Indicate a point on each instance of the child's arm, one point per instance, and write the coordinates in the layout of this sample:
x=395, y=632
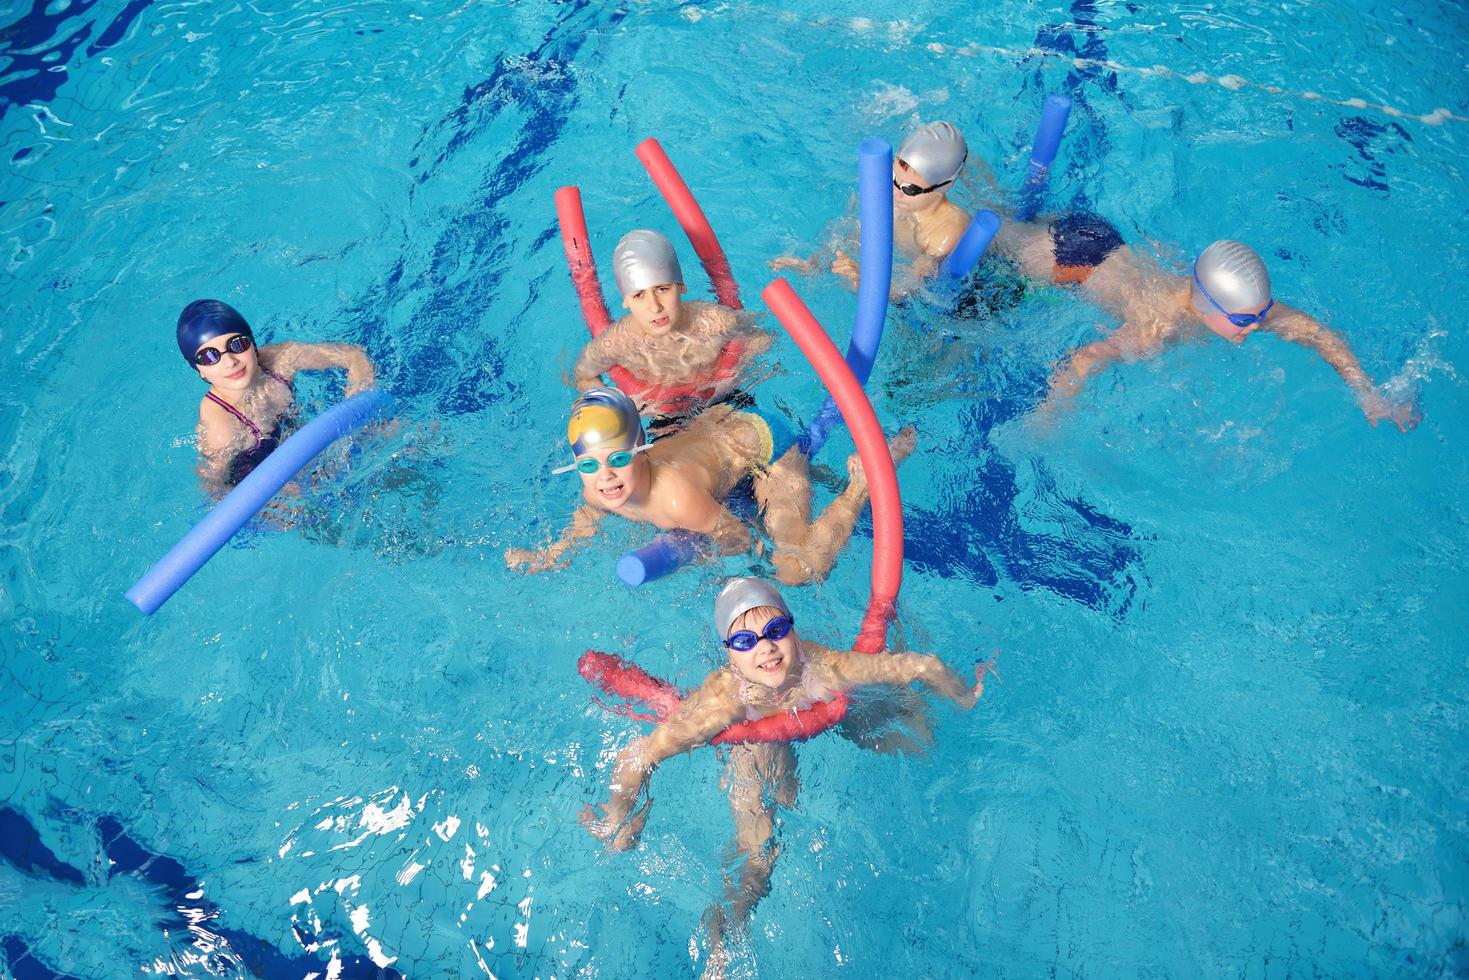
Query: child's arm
x=597, y=358
x=1082, y=364
x=583, y=526
x=854, y=669
x=1134, y=340
x=707, y=712
x=214, y=441
x=289, y=357
x=697, y=511
x=1291, y=324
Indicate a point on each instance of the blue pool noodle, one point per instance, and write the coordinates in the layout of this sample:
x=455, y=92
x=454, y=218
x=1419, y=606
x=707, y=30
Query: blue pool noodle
x=875, y=206
x=977, y=237
x=1043, y=154
x=665, y=554
x=254, y=492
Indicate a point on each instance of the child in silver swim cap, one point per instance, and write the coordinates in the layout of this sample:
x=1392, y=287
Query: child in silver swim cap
x=926, y=224
x=695, y=351
x=1227, y=292
x=769, y=669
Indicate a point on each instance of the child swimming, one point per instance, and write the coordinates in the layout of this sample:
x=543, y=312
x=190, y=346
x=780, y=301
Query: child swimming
x=926, y=224
x=246, y=412
x=770, y=669
x=694, y=351
x=681, y=481
x=1228, y=293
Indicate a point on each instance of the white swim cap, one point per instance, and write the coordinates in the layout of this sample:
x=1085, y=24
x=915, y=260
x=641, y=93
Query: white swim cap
x=1233, y=275
x=643, y=259
x=739, y=597
x=936, y=151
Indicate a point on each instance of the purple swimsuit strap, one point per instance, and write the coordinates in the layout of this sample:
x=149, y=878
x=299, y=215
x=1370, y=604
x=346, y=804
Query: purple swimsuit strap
x=235, y=412
x=241, y=415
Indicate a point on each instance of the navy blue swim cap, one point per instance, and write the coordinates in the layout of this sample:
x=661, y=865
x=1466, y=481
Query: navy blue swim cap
x=205, y=319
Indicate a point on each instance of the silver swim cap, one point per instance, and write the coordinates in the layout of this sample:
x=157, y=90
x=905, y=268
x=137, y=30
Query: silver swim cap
x=739, y=597
x=936, y=151
x=644, y=258
x=1234, y=275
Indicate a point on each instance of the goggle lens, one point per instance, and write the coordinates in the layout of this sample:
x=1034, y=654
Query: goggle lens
x=208, y=356
x=590, y=464
x=777, y=629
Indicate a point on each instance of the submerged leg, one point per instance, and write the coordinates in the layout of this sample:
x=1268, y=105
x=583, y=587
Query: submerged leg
x=754, y=774
x=806, y=552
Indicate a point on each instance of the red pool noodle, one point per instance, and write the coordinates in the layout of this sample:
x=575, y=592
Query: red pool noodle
x=691, y=219
x=877, y=462
x=578, y=246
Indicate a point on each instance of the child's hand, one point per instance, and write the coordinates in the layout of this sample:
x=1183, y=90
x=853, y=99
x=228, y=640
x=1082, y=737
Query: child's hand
x=846, y=267
x=1404, y=415
x=534, y=561
x=982, y=667
x=617, y=831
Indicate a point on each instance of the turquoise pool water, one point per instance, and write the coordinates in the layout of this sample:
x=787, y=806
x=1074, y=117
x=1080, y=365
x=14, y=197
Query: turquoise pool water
x=1230, y=737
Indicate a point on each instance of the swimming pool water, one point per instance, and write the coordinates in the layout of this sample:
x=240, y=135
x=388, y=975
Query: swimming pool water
x=1230, y=733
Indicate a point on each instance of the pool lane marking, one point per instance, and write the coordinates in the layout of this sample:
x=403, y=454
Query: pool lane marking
x=1232, y=82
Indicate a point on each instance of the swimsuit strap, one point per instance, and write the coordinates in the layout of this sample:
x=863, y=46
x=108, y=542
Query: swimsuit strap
x=236, y=413
x=277, y=377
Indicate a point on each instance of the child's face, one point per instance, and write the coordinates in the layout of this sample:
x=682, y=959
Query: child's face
x=656, y=309
x=232, y=372
x=904, y=174
x=611, y=487
x=769, y=662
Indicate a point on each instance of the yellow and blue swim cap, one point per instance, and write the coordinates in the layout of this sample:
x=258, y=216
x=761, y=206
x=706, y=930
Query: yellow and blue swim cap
x=603, y=418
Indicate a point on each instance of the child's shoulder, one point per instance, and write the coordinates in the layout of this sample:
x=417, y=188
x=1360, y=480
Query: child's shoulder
x=719, y=687
x=711, y=314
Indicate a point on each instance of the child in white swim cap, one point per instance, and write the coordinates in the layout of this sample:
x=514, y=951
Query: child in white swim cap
x=691, y=353
x=769, y=669
x=1227, y=293
x=926, y=224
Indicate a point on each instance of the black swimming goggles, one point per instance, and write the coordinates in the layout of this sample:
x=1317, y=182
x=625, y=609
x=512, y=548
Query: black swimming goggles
x=209, y=356
x=913, y=190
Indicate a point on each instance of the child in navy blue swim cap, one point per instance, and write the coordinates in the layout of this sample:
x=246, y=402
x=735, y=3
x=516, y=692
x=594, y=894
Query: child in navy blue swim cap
x=246, y=412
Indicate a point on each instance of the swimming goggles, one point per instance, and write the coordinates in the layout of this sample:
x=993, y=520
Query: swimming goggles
x=777, y=629
x=1240, y=320
x=913, y=190
x=591, y=464
x=208, y=356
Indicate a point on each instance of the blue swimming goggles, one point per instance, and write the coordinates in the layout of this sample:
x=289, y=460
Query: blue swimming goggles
x=1240, y=320
x=591, y=464
x=777, y=629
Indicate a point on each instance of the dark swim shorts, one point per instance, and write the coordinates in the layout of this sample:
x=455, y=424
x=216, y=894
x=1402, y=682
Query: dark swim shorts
x=1081, y=242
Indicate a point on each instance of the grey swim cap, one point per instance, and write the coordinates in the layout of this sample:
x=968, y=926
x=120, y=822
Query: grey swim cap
x=644, y=258
x=936, y=151
x=739, y=597
x=1234, y=275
